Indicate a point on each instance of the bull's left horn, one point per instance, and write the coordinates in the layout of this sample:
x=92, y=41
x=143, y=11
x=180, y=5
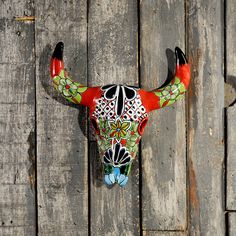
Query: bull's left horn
x=73, y=91
x=173, y=91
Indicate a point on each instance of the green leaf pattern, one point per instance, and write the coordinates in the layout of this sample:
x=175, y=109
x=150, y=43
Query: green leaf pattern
x=69, y=89
x=171, y=93
x=105, y=138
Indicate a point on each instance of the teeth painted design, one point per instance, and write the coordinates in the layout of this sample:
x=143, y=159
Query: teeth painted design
x=117, y=157
x=116, y=176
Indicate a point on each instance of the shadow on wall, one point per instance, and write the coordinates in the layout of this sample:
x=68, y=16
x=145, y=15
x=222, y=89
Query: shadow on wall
x=96, y=166
x=170, y=55
x=44, y=77
x=46, y=82
x=230, y=91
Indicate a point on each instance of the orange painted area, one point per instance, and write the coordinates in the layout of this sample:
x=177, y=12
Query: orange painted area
x=149, y=100
x=193, y=188
x=183, y=73
x=55, y=67
x=89, y=98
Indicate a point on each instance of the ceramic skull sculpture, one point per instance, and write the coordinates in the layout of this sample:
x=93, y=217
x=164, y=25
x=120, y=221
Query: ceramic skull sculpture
x=119, y=113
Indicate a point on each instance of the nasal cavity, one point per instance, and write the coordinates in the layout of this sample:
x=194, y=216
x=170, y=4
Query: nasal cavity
x=142, y=126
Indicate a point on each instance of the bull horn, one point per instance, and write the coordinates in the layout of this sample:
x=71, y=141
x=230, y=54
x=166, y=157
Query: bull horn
x=71, y=90
x=169, y=94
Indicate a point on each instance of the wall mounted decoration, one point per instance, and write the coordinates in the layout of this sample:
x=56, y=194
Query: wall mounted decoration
x=119, y=113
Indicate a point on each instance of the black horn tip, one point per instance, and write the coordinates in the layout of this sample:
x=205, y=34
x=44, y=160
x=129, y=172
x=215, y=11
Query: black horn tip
x=180, y=57
x=58, y=51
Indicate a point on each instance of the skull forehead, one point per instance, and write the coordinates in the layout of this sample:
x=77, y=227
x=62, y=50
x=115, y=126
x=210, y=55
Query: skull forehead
x=120, y=102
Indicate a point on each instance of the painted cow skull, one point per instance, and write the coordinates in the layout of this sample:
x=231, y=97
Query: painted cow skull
x=119, y=113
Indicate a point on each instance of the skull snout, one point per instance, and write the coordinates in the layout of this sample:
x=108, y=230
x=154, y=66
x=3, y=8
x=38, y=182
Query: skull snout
x=117, y=163
x=116, y=177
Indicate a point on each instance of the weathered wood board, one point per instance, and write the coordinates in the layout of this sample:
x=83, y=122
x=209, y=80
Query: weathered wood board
x=230, y=42
x=113, y=50
x=232, y=224
x=164, y=142
x=205, y=118
x=62, y=175
x=164, y=233
x=230, y=39
x=231, y=111
x=40, y=131
x=231, y=158
x=17, y=130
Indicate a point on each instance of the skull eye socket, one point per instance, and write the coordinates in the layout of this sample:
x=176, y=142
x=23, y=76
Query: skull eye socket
x=142, y=125
x=95, y=125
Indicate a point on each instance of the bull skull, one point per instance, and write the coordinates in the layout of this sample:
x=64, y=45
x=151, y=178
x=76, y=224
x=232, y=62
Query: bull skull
x=119, y=113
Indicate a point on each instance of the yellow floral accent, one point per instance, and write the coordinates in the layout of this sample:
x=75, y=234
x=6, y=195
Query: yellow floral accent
x=119, y=129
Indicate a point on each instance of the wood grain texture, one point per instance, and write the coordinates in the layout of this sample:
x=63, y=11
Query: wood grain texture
x=230, y=38
x=69, y=199
x=231, y=111
x=18, y=231
x=17, y=131
x=164, y=233
x=205, y=131
x=231, y=158
x=232, y=225
x=113, y=59
x=61, y=127
x=164, y=141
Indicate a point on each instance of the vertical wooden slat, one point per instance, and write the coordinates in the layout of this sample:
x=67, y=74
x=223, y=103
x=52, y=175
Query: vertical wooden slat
x=113, y=41
x=164, y=141
x=205, y=131
x=164, y=233
x=230, y=38
x=231, y=111
x=231, y=159
x=61, y=143
x=232, y=224
x=17, y=131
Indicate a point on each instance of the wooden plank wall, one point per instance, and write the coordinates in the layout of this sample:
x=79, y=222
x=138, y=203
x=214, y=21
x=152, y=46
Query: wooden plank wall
x=231, y=116
x=231, y=112
x=113, y=58
x=205, y=118
x=61, y=144
x=163, y=159
x=17, y=121
x=51, y=181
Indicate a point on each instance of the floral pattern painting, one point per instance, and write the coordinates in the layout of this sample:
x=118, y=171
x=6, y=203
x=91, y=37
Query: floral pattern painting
x=118, y=113
x=171, y=93
x=71, y=90
x=119, y=129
